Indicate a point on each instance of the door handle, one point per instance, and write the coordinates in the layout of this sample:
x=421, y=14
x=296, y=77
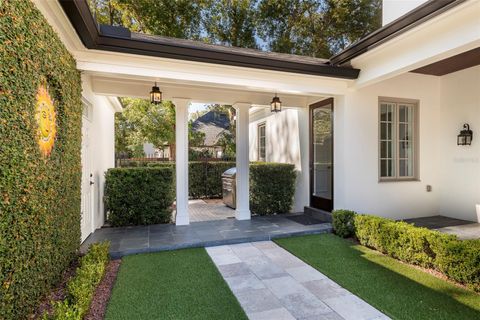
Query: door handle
x=91, y=182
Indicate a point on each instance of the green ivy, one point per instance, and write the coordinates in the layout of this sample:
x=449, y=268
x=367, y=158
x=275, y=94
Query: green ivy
x=39, y=196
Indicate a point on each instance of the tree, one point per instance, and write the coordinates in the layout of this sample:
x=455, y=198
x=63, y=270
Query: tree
x=289, y=26
x=143, y=122
x=316, y=28
x=346, y=21
x=232, y=22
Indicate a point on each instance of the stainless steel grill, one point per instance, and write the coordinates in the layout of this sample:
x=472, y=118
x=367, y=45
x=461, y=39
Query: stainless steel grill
x=229, y=187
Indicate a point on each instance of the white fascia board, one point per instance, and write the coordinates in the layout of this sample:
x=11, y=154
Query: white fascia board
x=197, y=73
x=56, y=17
x=178, y=71
x=453, y=32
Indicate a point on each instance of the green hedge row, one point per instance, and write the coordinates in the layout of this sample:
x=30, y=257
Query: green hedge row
x=458, y=260
x=81, y=288
x=139, y=196
x=39, y=194
x=204, y=178
x=272, y=187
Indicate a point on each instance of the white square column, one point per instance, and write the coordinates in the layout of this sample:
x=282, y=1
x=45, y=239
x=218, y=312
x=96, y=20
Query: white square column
x=181, y=159
x=242, y=211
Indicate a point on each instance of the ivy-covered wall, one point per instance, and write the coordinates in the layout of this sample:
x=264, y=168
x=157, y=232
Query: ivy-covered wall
x=39, y=185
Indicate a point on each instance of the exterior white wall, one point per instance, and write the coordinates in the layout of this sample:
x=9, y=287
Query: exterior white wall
x=356, y=184
x=393, y=9
x=459, y=175
x=286, y=142
x=102, y=135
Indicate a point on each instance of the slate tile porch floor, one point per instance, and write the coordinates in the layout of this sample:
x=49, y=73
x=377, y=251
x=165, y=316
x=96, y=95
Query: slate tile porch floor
x=142, y=239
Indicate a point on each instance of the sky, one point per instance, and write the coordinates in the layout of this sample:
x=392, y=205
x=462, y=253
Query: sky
x=194, y=107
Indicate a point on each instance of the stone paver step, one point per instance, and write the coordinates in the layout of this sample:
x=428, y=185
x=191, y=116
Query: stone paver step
x=271, y=283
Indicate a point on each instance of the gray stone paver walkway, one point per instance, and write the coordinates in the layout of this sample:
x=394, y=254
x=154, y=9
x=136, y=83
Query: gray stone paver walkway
x=271, y=283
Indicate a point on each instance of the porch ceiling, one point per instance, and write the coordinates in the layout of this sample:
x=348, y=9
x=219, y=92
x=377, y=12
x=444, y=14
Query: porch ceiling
x=139, y=87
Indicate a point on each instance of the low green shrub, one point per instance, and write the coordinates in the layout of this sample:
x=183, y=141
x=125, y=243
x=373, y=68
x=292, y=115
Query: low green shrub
x=272, y=186
x=204, y=178
x=458, y=260
x=139, y=196
x=81, y=288
x=342, y=222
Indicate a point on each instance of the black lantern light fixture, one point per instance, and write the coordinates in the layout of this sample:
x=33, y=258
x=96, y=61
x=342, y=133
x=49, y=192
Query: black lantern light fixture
x=155, y=95
x=276, y=104
x=465, y=136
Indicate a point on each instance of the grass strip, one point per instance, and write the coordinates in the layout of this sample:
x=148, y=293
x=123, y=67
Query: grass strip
x=397, y=289
x=181, y=284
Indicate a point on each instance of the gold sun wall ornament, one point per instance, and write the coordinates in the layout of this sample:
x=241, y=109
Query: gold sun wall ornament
x=46, y=120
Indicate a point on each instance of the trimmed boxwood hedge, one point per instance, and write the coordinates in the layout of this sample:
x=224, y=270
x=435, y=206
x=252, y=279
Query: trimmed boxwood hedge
x=81, y=288
x=342, y=223
x=204, y=178
x=139, y=196
x=39, y=196
x=272, y=187
x=459, y=260
x=267, y=195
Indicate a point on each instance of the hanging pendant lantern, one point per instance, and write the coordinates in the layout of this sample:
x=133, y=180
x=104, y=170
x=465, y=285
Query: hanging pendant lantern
x=465, y=137
x=276, y=104
x=155, y=95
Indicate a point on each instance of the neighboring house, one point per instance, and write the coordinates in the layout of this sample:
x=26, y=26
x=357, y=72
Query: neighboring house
x=151, y=152
x=213, y=125
x=373, y=128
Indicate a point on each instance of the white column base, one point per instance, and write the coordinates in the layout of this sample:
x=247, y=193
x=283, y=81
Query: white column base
x=243, y=214
x=182, y=220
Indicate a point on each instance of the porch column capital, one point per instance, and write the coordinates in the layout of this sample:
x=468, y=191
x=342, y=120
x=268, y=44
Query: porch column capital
x=181, y=102
x=238, y=105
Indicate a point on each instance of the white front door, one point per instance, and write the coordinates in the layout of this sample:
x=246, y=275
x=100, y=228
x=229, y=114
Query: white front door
x=87, y=182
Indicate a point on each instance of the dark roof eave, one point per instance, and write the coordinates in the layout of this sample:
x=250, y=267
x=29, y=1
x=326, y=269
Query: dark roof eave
x=86, y=27
x=424, y=12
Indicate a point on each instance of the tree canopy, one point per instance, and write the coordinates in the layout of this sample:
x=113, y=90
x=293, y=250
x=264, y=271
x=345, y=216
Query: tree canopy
x=317, y=28
x=142, y=122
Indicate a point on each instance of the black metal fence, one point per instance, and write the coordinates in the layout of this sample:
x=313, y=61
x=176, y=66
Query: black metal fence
x=127, y=161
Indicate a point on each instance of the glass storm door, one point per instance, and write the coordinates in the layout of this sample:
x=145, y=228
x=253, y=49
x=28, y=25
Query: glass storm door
x=321, y=155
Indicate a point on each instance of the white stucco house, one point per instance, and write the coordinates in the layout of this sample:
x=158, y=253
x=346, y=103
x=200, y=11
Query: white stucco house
x=373, y=128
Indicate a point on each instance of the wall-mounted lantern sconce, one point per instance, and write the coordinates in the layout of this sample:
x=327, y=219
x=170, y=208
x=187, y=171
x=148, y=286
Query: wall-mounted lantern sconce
x=155, y=95
x=276, y=104
x=465, y=136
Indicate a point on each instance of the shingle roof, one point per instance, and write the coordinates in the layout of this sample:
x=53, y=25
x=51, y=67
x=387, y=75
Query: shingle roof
x=213, y=124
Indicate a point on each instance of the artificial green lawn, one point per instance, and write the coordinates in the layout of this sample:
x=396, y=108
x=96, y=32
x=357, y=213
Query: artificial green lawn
x=398, y=290
x=181, y=284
